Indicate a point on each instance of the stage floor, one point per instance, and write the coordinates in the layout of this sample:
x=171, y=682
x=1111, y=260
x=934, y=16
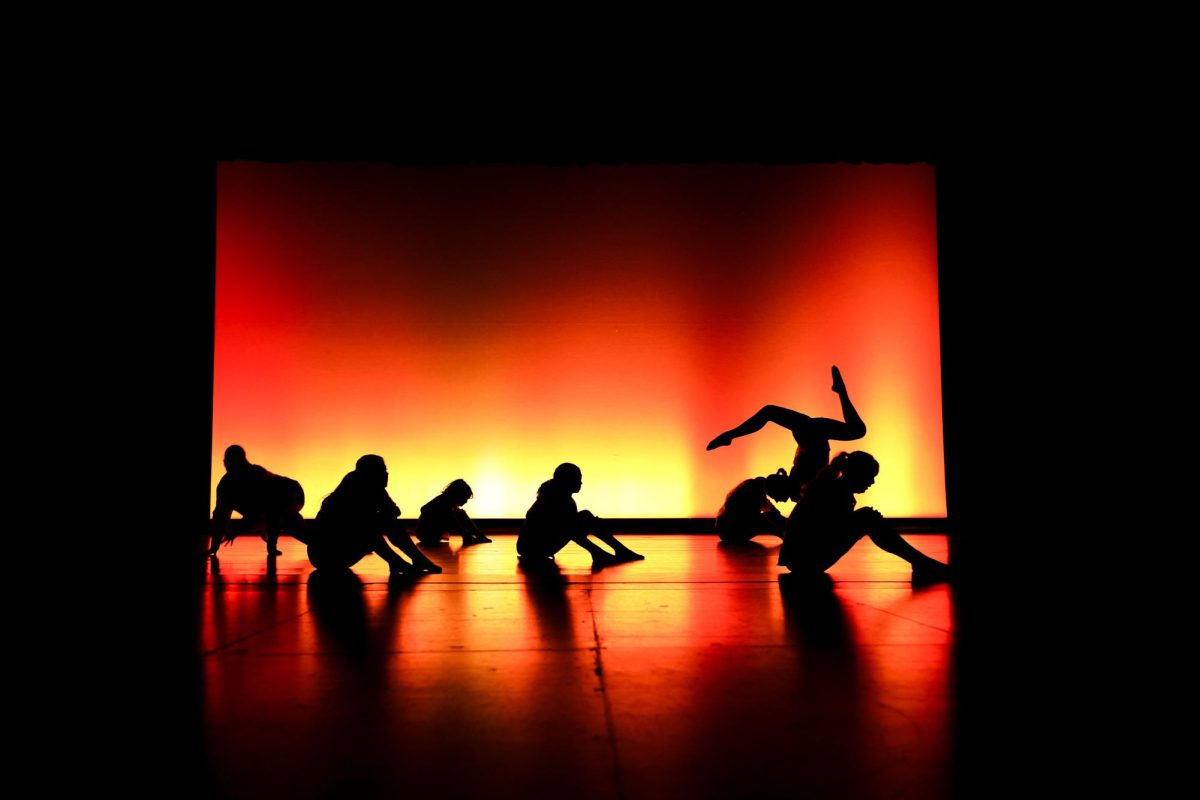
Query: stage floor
x=696, y=673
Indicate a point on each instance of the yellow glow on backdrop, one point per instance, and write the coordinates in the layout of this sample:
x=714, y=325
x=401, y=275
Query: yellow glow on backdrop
x=490, y=322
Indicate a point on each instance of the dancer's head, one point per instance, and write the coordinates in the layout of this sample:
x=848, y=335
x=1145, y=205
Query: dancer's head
x=569, y=476
x=372, y=469
x=235, y=457
x=779, y=486
x=458, y=491
x=857, y=470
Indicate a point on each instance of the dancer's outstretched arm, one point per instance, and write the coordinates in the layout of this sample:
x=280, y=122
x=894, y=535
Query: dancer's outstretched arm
x=221, y=527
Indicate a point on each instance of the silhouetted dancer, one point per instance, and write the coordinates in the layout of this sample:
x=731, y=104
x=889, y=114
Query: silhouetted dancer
x=444, y=515
x=553, y=520
x=268, y=502
x=825, y=524
x=812, y=434
x=748, y=510
x=359, y=517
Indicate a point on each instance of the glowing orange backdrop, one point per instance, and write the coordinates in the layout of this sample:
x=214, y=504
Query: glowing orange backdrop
x=490, y=322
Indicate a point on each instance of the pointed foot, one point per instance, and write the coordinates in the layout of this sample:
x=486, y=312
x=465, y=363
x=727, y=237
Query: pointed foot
x=839, y=385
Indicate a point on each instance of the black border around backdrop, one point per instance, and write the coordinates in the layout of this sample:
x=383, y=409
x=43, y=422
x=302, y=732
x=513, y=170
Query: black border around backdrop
x=154, y=390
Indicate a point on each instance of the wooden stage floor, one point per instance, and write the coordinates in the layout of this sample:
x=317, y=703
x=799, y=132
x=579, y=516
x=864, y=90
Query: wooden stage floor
x=697, y=673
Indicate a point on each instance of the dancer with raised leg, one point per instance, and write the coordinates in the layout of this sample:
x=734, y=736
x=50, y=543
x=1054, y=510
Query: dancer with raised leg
x=812, y=434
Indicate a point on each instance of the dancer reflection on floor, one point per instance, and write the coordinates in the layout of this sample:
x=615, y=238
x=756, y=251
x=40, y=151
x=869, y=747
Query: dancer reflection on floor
x=748, y=510
x=825, y=524
x=358, y=518
x=554, y=519
x=444, y=515
x=269, y=504
x=812, y=434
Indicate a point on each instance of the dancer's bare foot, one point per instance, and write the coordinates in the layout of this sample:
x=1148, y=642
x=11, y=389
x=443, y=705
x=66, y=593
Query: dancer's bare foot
x=724, y=440
x=839, y=385
x=602, y=559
